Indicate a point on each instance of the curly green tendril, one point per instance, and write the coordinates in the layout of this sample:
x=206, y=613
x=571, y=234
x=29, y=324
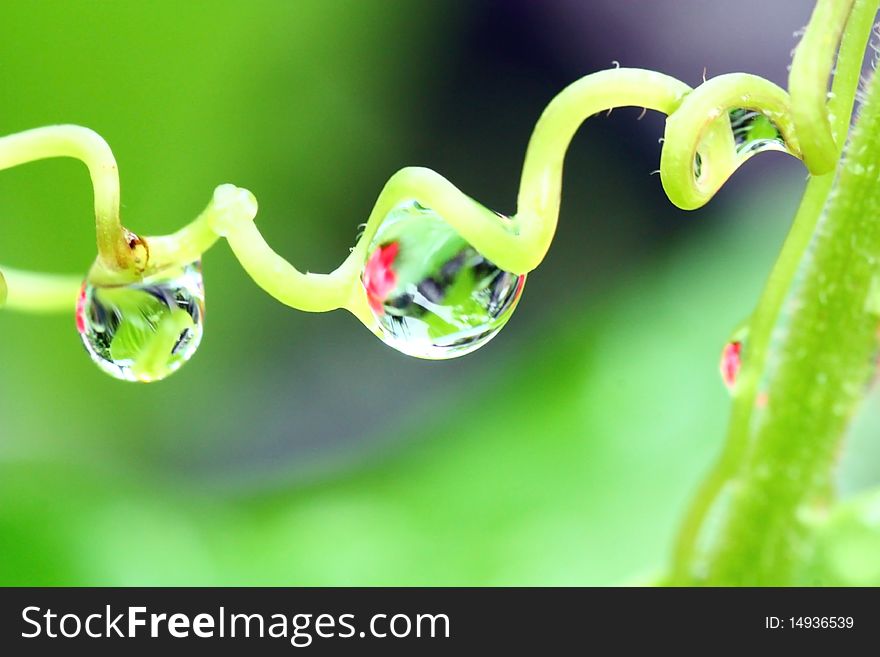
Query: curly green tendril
x=698, y=130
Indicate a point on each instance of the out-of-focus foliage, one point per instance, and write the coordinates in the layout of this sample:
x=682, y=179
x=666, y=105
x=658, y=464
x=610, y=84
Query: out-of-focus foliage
x=847, y=545
x=567, y=466
x=298, y=449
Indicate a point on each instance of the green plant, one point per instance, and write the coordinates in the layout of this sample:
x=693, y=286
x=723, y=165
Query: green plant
x=480, y=260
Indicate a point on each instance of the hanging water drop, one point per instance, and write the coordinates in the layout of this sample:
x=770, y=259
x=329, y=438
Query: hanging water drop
x=433, y=294
x=754, y=132
x=147, y=330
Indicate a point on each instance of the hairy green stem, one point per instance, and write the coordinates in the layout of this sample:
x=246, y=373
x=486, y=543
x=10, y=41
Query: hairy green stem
x=825, y=361
x=744, y=432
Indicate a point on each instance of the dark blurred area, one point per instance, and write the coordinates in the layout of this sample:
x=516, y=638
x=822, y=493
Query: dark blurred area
x=299, y=449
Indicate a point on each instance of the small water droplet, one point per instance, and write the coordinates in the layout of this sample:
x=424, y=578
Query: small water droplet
x=433, y=295
x=753, y=132
x=731, y=362
x=147, y=330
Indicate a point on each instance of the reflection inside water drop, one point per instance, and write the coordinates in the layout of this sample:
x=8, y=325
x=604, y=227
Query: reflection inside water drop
x=433, y=295
x=147, y=330
x=698, y=165
x=754, y=132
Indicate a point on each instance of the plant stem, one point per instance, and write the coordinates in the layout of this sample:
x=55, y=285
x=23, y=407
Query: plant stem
x=229, y=206
x=541, y=182
x=88, y=147
x=814, y=60
x=40, y=293
x=767, y=313
x=825, y=362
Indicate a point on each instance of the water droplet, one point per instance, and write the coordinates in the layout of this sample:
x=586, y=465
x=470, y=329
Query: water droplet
x=753, y=132
x=731, y=362
x=433, y=295
x=147, y=330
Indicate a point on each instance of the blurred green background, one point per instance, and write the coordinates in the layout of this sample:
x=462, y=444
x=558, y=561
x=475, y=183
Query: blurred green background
x=298, y=449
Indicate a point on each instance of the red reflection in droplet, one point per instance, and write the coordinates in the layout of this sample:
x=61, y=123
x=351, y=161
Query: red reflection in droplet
x=81, y=310
x=379, y=277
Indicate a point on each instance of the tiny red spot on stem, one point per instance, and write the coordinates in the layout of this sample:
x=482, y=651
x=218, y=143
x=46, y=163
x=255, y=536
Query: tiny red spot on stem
x=731, y=362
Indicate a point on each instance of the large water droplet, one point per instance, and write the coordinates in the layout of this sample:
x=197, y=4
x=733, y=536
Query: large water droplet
x=433, y=295
x=754, y=132
x=147, y=330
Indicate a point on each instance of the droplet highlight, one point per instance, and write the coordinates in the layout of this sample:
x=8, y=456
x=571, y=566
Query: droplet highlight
x=147, y=330
x=433, y=295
